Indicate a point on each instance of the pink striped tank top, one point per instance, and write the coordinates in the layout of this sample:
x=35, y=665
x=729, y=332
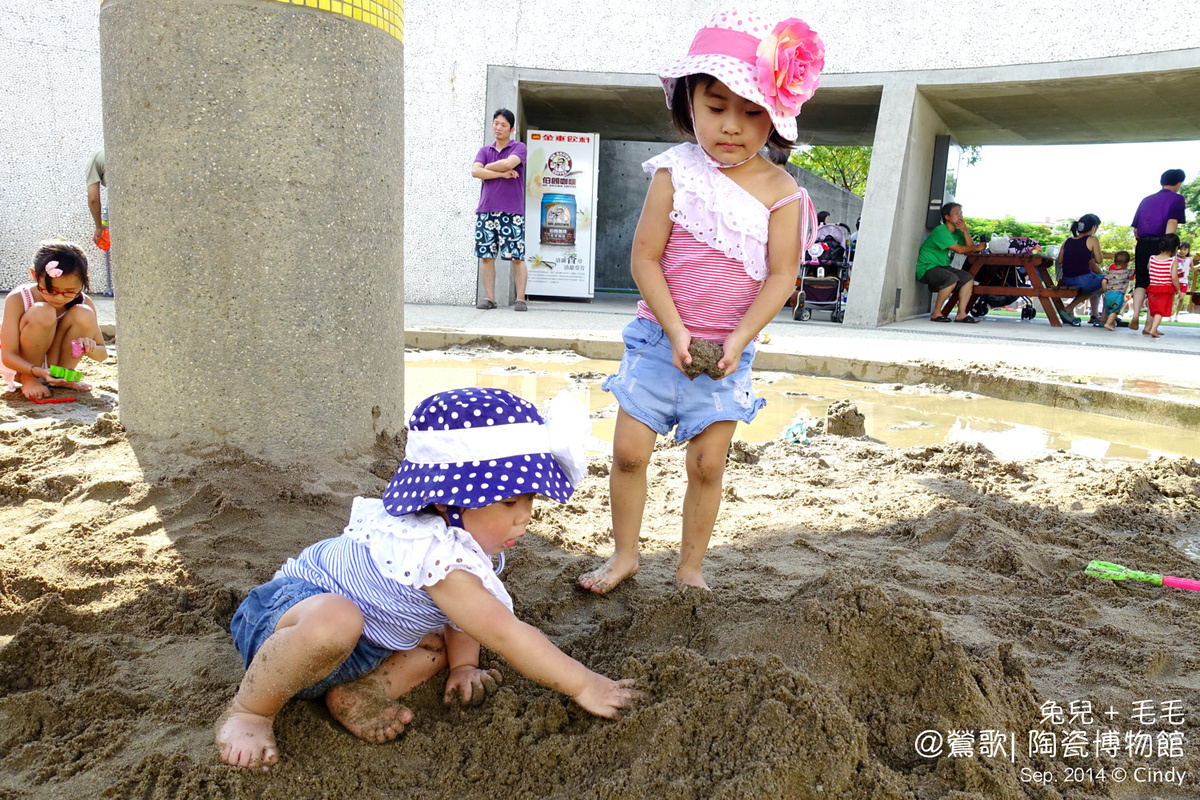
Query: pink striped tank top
x=716, y=256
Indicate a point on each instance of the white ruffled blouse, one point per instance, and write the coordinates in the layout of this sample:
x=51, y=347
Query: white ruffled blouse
x=714, y=209
x=382, y=563
x=419, y=549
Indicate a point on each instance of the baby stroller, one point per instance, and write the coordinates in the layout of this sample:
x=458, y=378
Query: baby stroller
x=824, y=275
x=1005, y=276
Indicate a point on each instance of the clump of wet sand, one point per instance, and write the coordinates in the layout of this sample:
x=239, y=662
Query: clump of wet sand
x=705, y=356
x=862, y=595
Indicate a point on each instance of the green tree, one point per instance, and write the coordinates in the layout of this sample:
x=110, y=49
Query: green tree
x=1114, y=237
x=846, y=166
x=984, y=229
x=1191, y=195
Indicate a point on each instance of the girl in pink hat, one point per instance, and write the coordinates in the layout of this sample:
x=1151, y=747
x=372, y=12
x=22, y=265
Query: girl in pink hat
x=715, y=256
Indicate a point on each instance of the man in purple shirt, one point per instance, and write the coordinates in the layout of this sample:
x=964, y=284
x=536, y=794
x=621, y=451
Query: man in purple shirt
x=500, y=217
x=1156, y=216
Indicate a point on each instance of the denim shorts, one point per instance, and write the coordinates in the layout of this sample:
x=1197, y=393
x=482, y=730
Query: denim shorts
x=655, y=393
x=1113, y=302
x=1086, y=284
x=259, y=613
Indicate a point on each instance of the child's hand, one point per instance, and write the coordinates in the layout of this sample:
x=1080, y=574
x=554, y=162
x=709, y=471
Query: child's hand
x=469, y=686
x=732, y=356
x=680, y=342
x=607, y=698
x=88, y=346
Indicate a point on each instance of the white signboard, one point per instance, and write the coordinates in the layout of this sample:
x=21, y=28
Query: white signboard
x=560, y=208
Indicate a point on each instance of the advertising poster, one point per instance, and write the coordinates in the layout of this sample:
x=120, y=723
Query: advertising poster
x=560, y=204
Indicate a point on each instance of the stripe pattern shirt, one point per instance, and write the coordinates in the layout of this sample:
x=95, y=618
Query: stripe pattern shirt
x=397, y=612
x=715, y=259
x=1160, y=272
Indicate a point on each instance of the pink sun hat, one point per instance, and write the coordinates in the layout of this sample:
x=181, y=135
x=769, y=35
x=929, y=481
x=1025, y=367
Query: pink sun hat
x=776, y=66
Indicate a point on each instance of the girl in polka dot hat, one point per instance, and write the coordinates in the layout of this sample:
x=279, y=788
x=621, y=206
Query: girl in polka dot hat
x=715, y=255
x=409, y=589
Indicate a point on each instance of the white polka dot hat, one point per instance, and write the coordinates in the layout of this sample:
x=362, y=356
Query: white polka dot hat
x=473, y=447
x=776, y=66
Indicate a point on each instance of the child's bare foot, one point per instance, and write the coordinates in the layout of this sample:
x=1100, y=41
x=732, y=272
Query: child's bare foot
x=686, y=576
x=245, y=739
x=78, y=386
x=609, y=574
x=365, y=710
x=1110, y=327
x=33, y=389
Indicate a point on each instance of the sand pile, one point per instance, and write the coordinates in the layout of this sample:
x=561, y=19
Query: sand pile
x=862, y=595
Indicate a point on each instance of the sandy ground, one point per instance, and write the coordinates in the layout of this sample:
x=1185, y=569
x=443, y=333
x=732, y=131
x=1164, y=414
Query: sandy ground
x=863, y=594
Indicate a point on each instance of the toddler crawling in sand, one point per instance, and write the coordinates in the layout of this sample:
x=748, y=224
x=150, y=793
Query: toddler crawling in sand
x=408, y=589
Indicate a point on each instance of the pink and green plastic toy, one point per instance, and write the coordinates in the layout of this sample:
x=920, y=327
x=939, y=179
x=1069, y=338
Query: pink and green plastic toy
x=1115, y=572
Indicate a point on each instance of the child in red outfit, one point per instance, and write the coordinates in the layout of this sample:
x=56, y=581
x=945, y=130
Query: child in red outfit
x=1164, y=284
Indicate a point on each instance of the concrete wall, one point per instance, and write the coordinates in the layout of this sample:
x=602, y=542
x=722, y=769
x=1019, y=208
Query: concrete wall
x=255, y=160
x=843, y=206
x=449, y=54
x=897, y=194
x=446, y=79
x=50, y=57
x=623, y=185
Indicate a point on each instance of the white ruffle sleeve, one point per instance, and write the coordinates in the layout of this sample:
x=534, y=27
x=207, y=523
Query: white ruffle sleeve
x=714, y=209
x=419, y=550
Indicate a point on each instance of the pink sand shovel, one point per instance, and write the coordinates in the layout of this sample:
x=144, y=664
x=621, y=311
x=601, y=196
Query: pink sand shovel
x=1115, y=572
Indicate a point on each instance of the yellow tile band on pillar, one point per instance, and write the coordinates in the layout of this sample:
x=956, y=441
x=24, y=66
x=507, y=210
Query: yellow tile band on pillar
x=387, y=15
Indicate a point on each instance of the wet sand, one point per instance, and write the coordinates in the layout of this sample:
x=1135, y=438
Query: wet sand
x=862, y=594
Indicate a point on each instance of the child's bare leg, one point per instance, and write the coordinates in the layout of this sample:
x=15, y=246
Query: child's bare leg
x=367, y=707
x=1110, y=322
x=1139, y=297
x=706, y=456
x=78, y=322
x=633, y=444
x=311, y=639
x=37, y=333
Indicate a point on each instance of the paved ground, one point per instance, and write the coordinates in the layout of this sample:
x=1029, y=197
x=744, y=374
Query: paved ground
x=1125, y=360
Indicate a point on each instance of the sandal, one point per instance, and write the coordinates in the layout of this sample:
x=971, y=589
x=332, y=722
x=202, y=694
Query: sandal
x=520, y=306
x=942, y=318
x=1069, y=320
x=968, y=320
x=485, y=304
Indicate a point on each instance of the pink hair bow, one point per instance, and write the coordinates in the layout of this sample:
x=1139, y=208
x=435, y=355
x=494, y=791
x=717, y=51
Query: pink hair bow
x=52, y=269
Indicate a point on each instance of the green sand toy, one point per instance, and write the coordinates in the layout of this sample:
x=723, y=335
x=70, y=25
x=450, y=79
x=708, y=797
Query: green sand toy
x=1115, y=572
x=65, y=374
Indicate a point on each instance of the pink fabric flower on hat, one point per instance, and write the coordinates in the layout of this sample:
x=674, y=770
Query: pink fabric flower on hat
x=790, y=60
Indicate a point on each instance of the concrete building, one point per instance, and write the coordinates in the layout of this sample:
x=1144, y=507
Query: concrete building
x=898, y=74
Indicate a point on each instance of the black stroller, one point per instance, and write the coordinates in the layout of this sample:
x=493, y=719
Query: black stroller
x=824, y=275
x=1004, y=276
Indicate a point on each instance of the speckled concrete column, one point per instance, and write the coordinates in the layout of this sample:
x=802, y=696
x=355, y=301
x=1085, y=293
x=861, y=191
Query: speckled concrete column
x=255, y=172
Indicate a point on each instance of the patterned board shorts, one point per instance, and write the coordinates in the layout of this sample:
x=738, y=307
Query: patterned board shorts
x=500, y=235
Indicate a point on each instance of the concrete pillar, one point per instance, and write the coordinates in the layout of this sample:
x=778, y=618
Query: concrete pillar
x=255, y=167
x=893, y=219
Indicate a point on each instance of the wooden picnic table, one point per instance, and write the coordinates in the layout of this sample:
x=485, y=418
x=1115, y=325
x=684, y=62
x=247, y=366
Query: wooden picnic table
x=985, y=266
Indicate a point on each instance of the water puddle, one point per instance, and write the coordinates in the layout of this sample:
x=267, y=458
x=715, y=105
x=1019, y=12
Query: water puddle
x=901, y=416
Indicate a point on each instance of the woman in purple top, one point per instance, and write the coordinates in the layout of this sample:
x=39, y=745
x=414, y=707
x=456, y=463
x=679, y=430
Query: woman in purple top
x=1079, y=261
x=500, y=216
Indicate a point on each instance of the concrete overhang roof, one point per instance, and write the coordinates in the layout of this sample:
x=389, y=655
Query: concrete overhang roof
x=1149, y=97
